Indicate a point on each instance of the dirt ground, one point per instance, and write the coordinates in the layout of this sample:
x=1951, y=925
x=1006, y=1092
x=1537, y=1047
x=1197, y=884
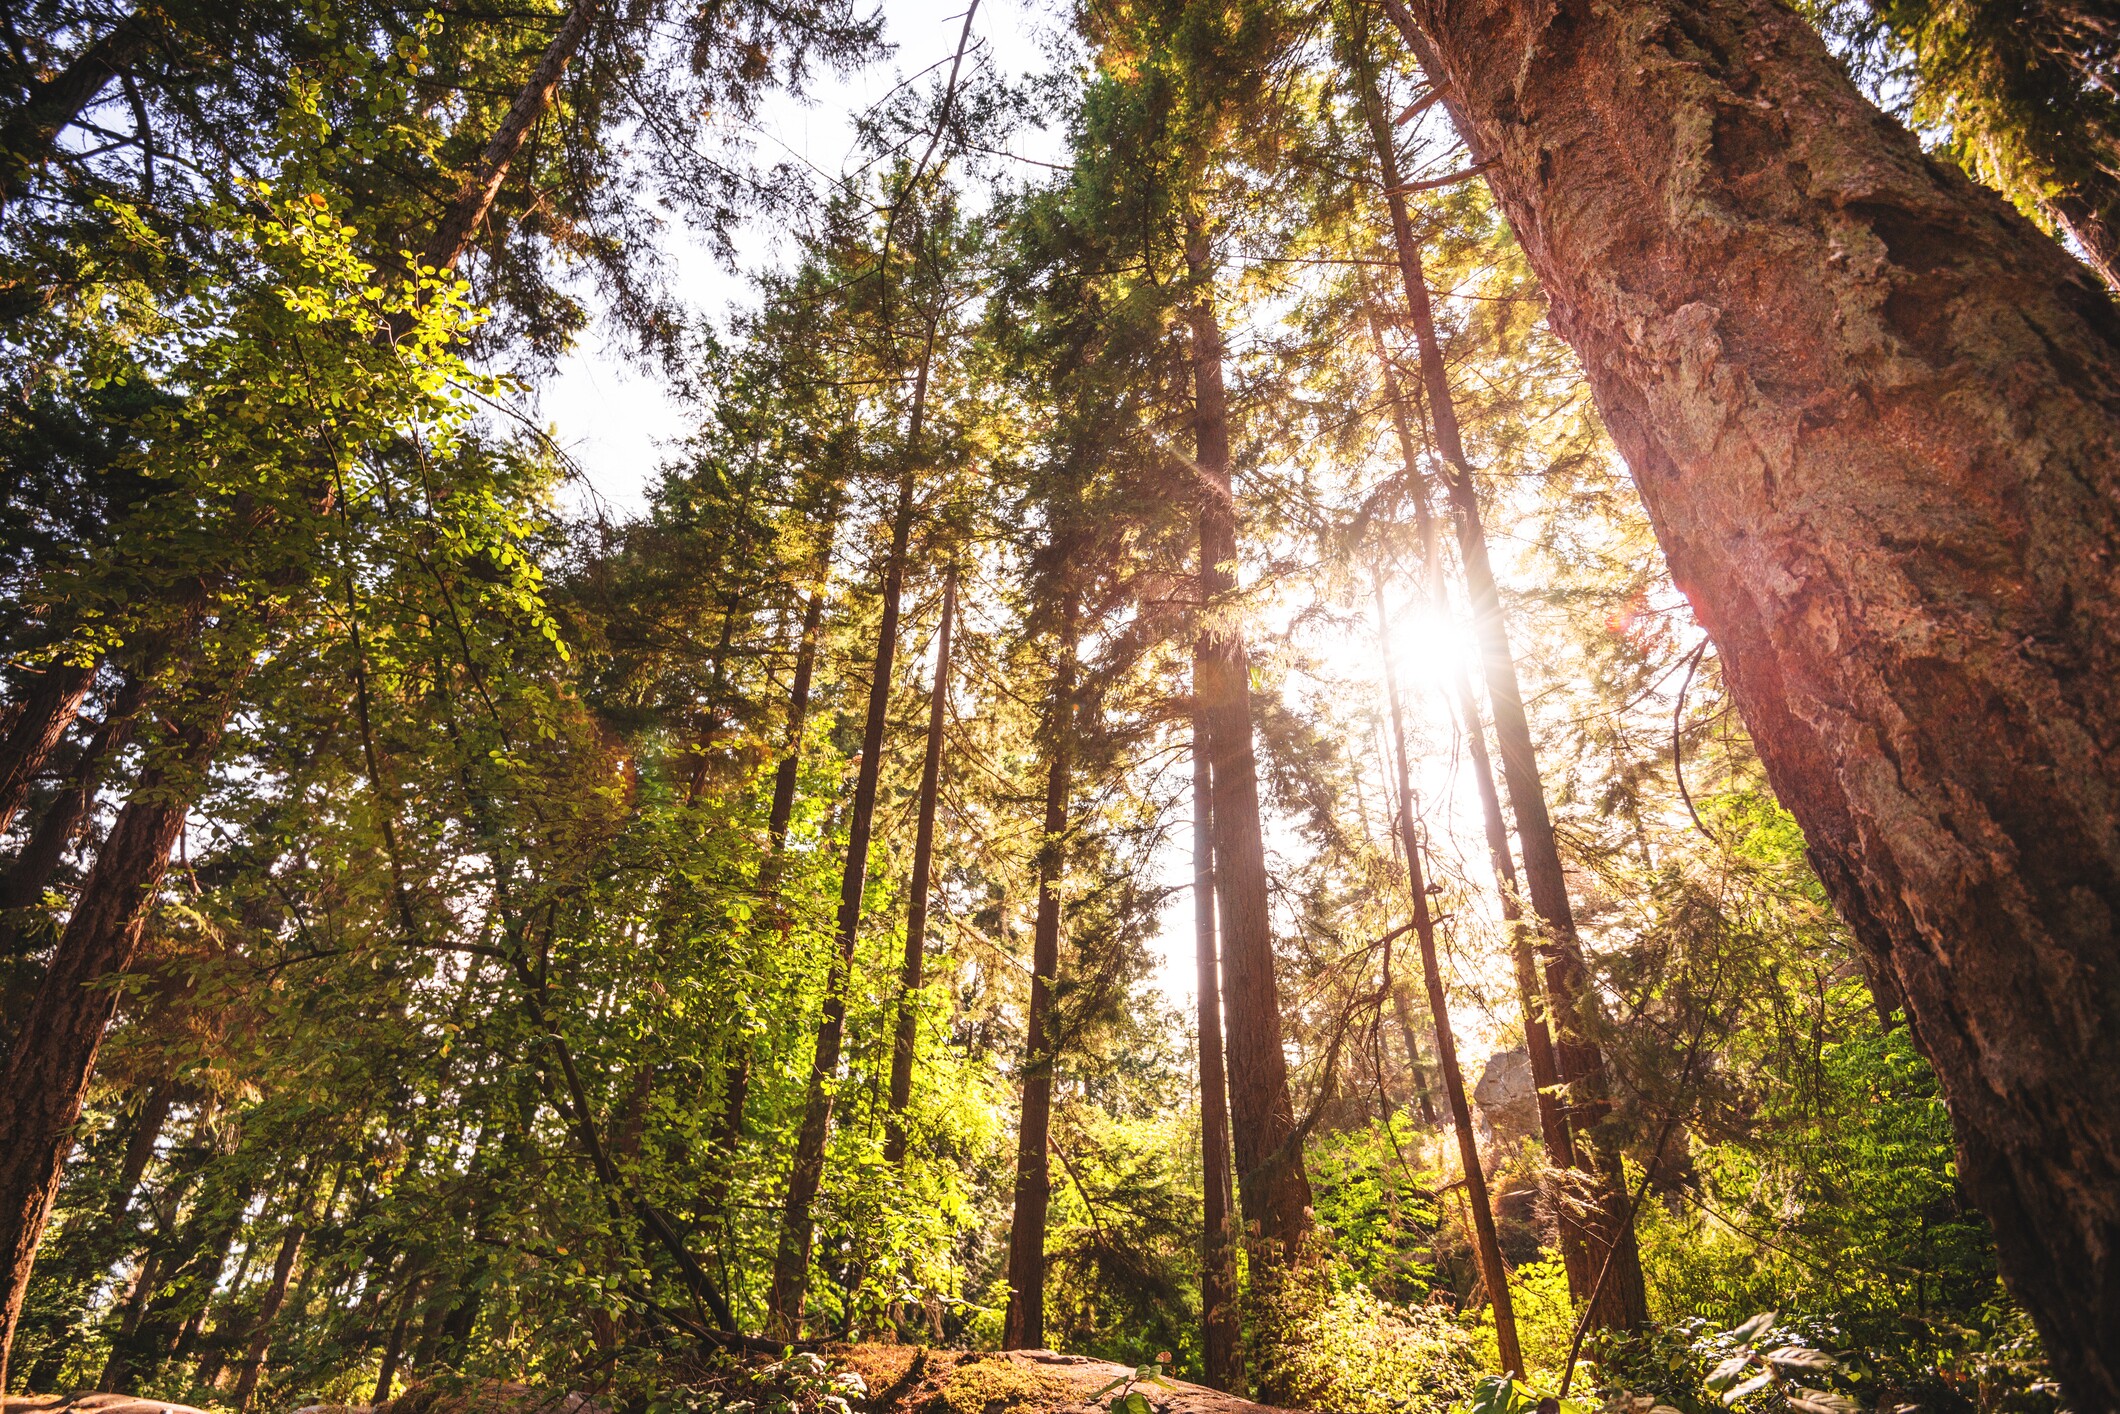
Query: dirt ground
x=904, y=1379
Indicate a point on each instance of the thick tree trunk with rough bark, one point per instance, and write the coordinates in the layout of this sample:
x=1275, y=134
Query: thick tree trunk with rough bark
x=791, y=1262
x=1486, y=1244
x=47, y=1070
x=1620, y=1300
x=47, y=710
x=1221, y=1322
x=1875, y=417
x=1275, y=1190
x=908, y=1033
x=1023, y=1324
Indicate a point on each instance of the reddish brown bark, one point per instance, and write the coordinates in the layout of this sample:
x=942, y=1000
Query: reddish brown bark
x=1023, y=1325
x=1620, y=1301
x=791, y=1263
x=1875, y=417
x=1221, y=1322
x=1486, y=1245
x=47, y=710
x=467, y=211
x=902, y=1044
x=47, y=1070
x=1271, y=1181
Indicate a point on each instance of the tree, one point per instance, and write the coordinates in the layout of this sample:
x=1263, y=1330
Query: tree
x=1870, y=412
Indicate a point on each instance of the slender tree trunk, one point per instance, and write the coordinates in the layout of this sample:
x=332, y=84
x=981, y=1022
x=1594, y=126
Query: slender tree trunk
x=1423, y=1097
x=923, y=864
x=791, y=1263
x=54, y=104
x=1875, y=417
x=1531, y=993
x=1023, y=1325
x=268, y=1312
x=1620, y=1302
x=468, y=210
x=394, y=1347
x=1222, y=1324
x=47, y=710
x=1270, y=1176
x=785, y=775
x=1485, y=1243
x=42, y=1087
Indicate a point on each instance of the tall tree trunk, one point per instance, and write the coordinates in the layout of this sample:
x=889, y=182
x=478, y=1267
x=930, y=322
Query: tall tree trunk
x=1875, y=416
x=1620, y=1301
x=1485, y=1243
x=32, y=869
x=791, y=1263
x=268, y=1312
x=473, y=201
x=394, y=1347
x=1023, y=1324
x=1531, y=993
x=923, y=864
x=1270, y=1176
x=54, y=104
x=1221, y=1322
x=790, y=767
x=47, y=710
x=42, y=1087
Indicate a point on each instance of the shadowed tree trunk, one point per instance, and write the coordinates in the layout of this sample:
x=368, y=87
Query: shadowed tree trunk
x=1875, y=417
x=55, y=103
x=1620, y=1301
x=47, y=1070
x=1023, y=1325
x=1222, y=1324
x=268, y=1311
x=473, y=202
x=923, y=864
x=1270, y=1177
x=47, y=710
x=791, y=1263
x=1486, y=1244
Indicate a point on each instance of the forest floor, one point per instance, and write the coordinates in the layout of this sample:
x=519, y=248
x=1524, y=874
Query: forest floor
x=901, y=1379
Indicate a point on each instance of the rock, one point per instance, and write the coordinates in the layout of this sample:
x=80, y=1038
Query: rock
x=1506, y=1099
x=89, y=1402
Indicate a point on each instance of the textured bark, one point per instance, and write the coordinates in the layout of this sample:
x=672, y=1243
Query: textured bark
x=1274, y=1188
x=47, y=710
x=1221, y=1322
x=908, y=1032
x=52, y=105
x=1620, y=1301
x=1485, y=1244
x=1023, y=1324
x=55, y=829
x=467, y=211
x=1875, y=417
x=791, y=1262
x=42, y=1087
